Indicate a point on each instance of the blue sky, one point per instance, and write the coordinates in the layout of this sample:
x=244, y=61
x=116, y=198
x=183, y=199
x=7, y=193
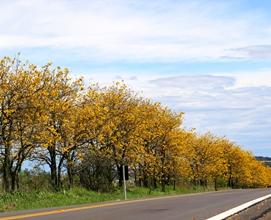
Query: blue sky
x=210, y=59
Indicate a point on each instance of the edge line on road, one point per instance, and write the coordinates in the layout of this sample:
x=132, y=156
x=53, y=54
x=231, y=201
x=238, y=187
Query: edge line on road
x=239, y=208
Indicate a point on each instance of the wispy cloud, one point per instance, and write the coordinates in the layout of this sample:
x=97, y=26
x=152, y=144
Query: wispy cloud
x=255, y=51
x=216, y=104
x=207, y=82
x=137, y=30
x=162, y=48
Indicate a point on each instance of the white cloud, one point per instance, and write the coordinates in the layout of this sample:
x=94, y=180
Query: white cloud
x=216, y=103
x=255, y=51
x=196, y=82
x=252, y=79
x=137, y=30
x=236, y=104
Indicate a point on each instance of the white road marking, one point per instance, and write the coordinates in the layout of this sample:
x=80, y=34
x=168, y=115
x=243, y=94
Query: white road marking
x=237, y=209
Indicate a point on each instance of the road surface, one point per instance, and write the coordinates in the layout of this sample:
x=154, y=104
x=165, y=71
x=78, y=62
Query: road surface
x=185, y=207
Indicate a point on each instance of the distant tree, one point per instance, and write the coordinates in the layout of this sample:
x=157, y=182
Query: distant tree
x=97, y=172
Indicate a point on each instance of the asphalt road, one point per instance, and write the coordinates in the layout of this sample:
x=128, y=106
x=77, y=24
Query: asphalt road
x=186, y=207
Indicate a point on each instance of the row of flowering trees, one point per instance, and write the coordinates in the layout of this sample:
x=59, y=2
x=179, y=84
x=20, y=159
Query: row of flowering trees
x=48, y=117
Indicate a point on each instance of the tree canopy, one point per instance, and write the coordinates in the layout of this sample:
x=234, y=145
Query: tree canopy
x=51, y=118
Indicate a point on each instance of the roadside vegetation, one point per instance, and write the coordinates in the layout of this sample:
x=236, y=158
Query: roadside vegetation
x=21, y=200
x=84, y=137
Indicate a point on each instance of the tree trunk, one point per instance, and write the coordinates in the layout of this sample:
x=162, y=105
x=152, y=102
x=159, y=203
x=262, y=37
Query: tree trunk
x=163, y=186
x=6, y=171
x=59, y=170
x=54, y=181
x=145, y=180
x=230, y=182
x=59, y=183
x=154, y=183
x=215, y=181
x=13, y=181
x=70, y=168
x=163, y=177
x=53, y=169
x=70, y=176
x=135, y=176
x=17, y=181
x=163, y=182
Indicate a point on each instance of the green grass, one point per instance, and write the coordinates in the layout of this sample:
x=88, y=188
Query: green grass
x=75, y=196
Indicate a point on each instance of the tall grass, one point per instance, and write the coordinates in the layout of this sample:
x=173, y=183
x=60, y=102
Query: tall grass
x=76, y=196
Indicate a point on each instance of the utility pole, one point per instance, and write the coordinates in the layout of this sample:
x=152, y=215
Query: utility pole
x=124, y=182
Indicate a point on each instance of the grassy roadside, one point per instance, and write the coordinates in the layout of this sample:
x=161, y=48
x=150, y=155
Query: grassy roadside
x=76, y=196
